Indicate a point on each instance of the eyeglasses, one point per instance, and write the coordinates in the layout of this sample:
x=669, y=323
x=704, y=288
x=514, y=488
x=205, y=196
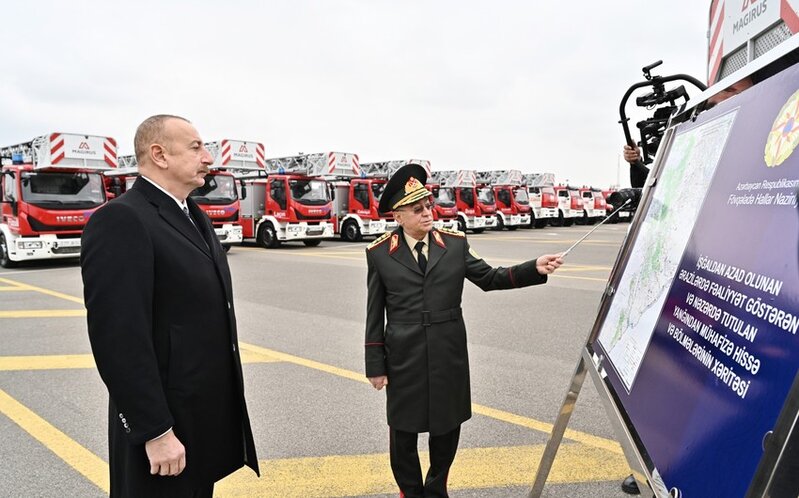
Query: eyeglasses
x=418, y=209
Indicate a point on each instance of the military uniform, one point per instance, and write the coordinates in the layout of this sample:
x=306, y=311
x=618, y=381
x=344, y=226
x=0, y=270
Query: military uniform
x=415, y=332
x=415, y=335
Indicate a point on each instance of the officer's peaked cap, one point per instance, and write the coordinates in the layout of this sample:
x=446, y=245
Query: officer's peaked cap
x=405, y=187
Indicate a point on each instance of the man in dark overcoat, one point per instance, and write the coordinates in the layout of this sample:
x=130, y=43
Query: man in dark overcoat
x=415, y=334
x=162, y=326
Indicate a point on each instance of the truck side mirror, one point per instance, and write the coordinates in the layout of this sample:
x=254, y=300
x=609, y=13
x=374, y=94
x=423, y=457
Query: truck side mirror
x=332, y=191
x=243, y=190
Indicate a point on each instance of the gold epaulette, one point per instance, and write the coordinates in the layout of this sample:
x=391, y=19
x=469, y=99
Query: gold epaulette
x=378, y=241
x=454, y=233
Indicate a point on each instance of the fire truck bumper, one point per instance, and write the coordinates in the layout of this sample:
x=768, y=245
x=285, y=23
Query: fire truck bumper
x=519, y=219
x=391, y=226
x=303, y=230
x=548, y=213
x=229, y=234
x=489, y=221
x=43, y=247
x=374, y=227
x=572, y=213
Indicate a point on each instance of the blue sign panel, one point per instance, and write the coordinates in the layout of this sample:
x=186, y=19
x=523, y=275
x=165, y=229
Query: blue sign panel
x=699, y=341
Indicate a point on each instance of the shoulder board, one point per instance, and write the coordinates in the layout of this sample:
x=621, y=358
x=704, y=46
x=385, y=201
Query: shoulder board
x=378, y=241
x=454, y=233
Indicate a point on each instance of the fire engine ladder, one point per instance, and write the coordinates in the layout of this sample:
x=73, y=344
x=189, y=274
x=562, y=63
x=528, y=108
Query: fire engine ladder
x=40, y=152
x=385, y=169
x=238, y=156
x=539, y=179
x=453, y=178
x=501, y=177
x=323, y=164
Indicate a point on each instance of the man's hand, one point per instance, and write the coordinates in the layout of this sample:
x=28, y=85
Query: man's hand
x=166, y=454
x=548, y=263
x=379, y=382
x=631, y=154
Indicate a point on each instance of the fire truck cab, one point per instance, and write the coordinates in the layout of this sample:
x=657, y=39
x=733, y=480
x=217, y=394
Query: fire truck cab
x=594, y=206
x=293, y=202
x=50, y=187
x=511, y=198
x=543, y=201
x=570, y=206
x=475, y=204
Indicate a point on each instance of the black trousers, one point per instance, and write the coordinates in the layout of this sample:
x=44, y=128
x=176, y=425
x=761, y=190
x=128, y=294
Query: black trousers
x=408, y=471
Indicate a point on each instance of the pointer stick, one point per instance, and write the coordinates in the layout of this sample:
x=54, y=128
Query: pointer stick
x=564, y=253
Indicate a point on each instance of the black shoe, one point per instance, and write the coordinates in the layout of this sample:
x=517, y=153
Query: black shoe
x=629, y=486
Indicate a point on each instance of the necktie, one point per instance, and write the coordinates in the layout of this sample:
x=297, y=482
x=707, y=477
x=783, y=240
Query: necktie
x=186, y=212
x=422, y=260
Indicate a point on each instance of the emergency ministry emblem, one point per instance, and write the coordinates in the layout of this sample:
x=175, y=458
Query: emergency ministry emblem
x=412, y=185
x=784, y=134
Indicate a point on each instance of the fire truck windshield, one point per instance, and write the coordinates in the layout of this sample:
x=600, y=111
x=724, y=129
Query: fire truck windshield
x=520, y=194
x=63, y=190
x=485, y=195
x=218, y=189
x=445, y=196
x=310, y=192
x=377, y=190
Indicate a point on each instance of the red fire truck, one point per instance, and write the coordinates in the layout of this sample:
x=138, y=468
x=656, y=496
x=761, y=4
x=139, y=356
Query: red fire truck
x=512, y=199
x=543, y=201
x=50, y=187
x=218, y=197
x=594, y=206
x=356, y=194
x=570, y=206
x=293, y=203
x=475, y=203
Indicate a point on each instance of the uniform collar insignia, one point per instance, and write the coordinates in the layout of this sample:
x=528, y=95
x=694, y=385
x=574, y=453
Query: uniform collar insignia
x=394, y=245
x=438, y=240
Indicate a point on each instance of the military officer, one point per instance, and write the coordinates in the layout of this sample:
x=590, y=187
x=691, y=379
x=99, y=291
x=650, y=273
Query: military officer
x=415, y=334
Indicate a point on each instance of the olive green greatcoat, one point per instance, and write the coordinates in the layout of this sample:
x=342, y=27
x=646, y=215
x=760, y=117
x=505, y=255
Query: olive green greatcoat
x=415, y=332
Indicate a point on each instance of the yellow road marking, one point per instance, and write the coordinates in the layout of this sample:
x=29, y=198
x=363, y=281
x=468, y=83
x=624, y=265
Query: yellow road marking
x=474, y=468
x=79, y=458
x=582, y=437
x=21, y=286
x=69, y=361
x=10, y=288
x=42, y=313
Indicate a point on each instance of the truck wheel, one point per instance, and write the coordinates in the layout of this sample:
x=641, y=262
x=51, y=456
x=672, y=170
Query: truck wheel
x=500, y=224
x=479, y=230
x=351, y=232
x=567, y=222
x=559, y=221
x=5, y=259
x=512, y=228
x=462, y=225
x=312, y=242
x=267, y=237
x=541, y=223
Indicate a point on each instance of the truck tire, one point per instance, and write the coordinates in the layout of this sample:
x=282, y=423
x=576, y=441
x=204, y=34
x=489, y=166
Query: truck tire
x=226, y=248
x=461, y=224
x=541, y=223
x=267, y=237
x=312, y=242
x=514, y=227
x=479, y=230
x=567, y=222
x=500, y=224
x=351, y=232
x=559, y=220
x=5, y=259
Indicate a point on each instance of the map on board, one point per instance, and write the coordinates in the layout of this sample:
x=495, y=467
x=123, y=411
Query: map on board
x=659, y=246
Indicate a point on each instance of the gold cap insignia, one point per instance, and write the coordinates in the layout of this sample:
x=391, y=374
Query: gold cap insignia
x=413, y=184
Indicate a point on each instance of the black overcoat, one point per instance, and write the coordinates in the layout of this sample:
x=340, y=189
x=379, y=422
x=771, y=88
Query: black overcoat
x=414, y=326
x=163, y=333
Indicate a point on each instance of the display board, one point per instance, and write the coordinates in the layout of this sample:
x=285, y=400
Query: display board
x=698, y=341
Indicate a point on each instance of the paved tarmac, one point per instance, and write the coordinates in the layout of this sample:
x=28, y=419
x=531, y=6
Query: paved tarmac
x=320, y=429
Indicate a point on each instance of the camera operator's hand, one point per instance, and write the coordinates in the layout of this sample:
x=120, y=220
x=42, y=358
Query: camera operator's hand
x=631, y=154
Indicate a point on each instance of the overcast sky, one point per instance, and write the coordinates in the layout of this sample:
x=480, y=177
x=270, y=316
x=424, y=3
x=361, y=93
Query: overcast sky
x=519, y=84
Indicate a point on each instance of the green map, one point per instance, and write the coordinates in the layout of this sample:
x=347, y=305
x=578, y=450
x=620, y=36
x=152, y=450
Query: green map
x=662, y=238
